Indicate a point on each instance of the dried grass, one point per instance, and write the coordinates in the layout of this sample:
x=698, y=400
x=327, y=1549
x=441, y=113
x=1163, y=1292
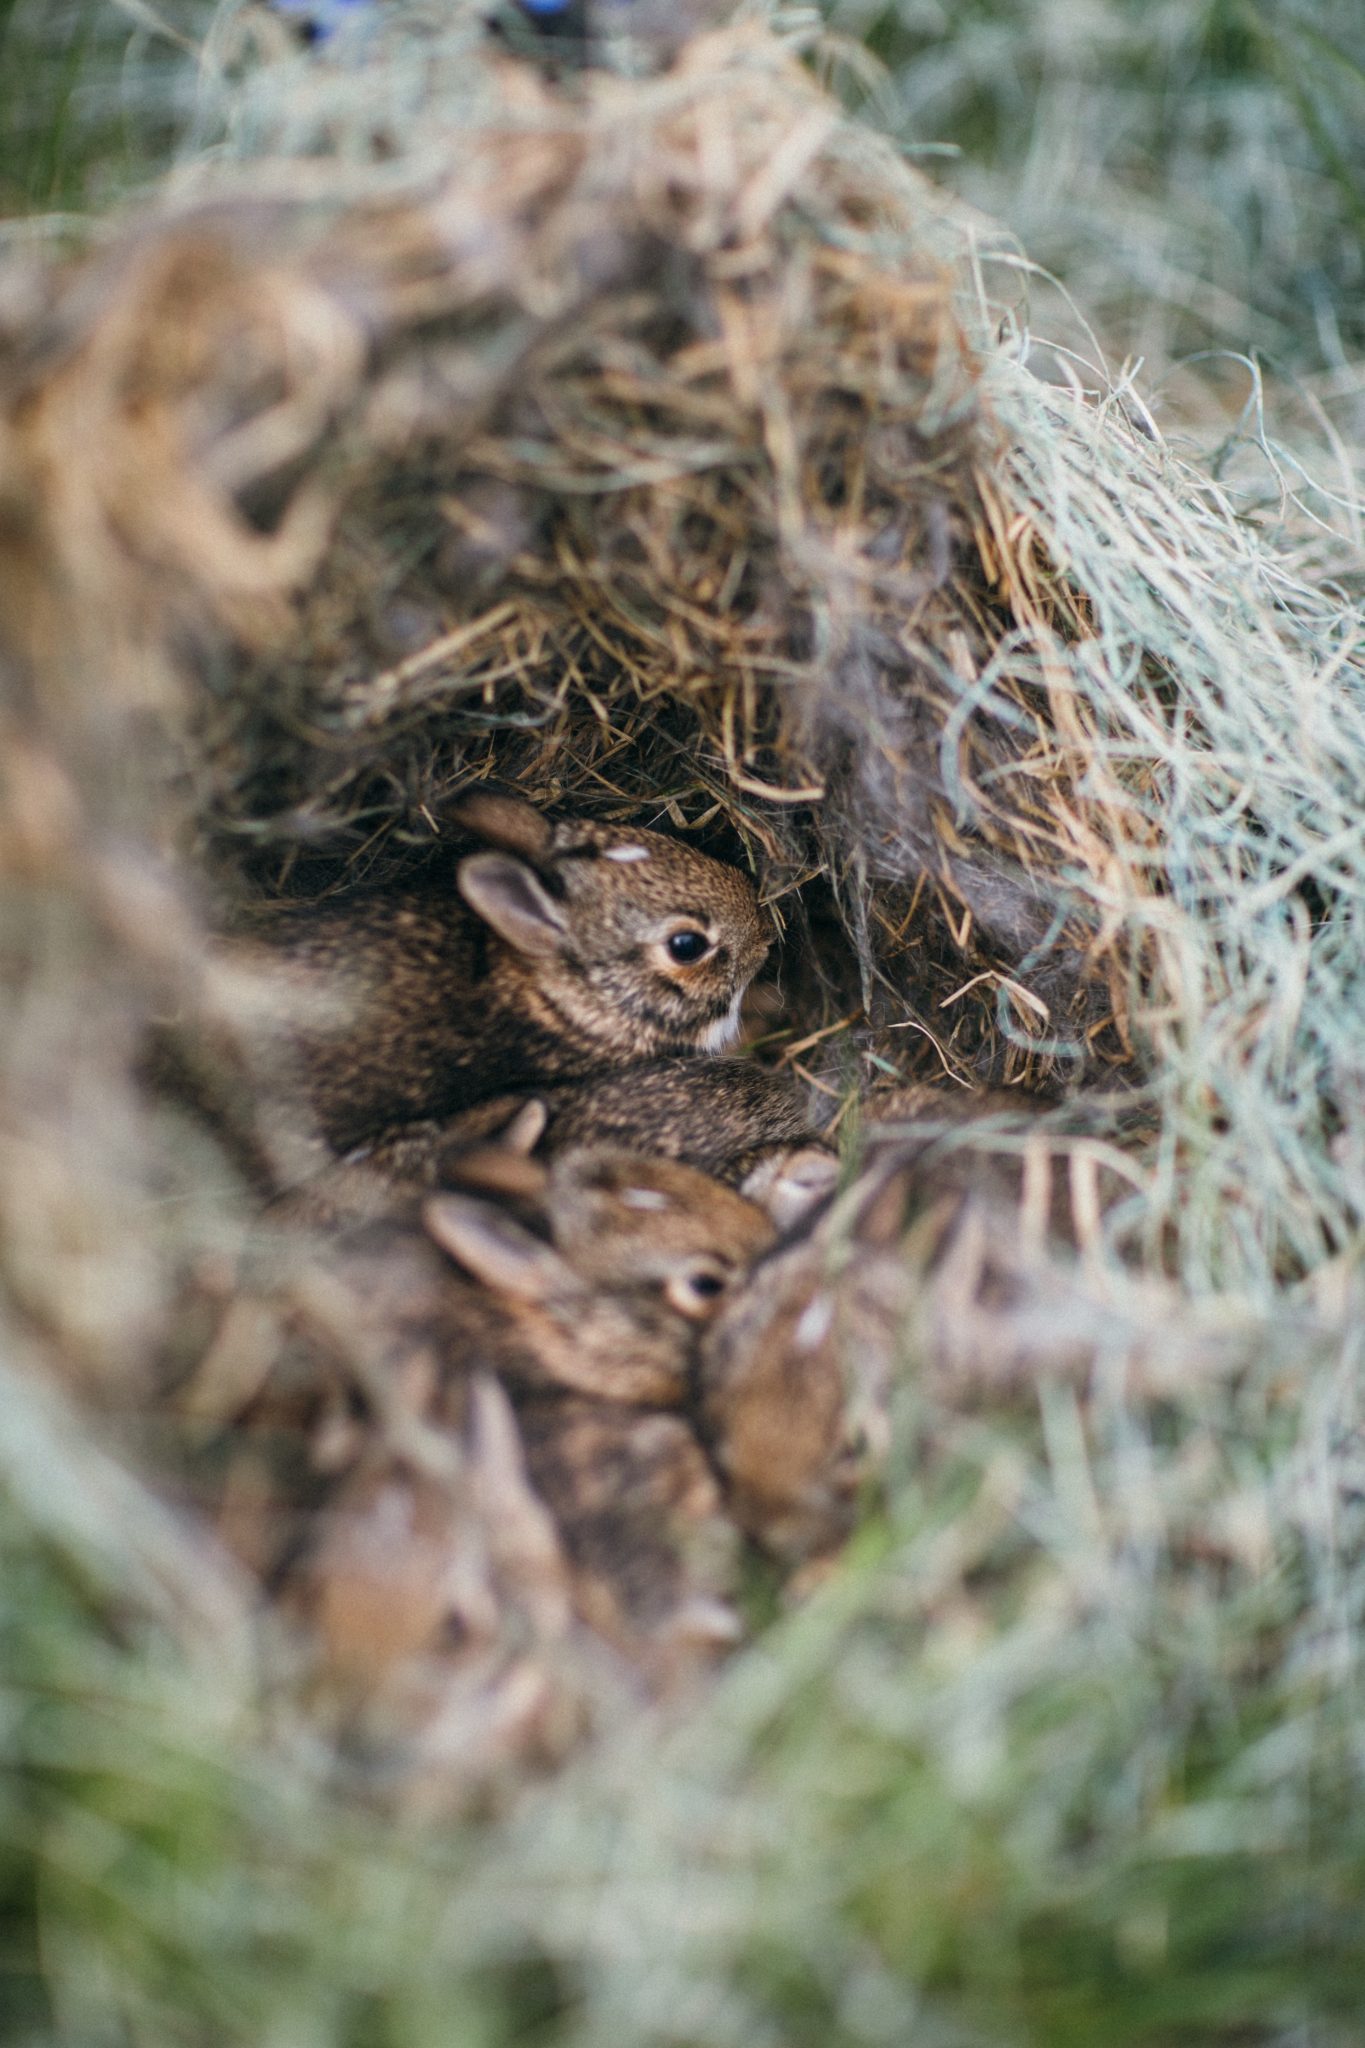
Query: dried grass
x=656, y=446
x=650, y=451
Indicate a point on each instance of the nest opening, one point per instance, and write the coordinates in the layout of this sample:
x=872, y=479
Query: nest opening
x=705, y=540
x=651, y=453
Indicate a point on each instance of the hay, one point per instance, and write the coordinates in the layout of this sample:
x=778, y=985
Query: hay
x=588, y=463
x=656, y=446
x=649, y=454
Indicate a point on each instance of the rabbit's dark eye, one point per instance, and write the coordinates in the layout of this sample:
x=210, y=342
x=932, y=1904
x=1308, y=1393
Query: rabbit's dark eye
x=686, y=947
x=693, y=1291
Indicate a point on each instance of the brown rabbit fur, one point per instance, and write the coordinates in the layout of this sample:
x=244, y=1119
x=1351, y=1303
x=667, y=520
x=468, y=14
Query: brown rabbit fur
x=641, y=1252
x=556, y=951
x=639, y=1511
x=927, y=1245
x=436, y=1601
x=743, y=1124
x=586, y=1293
x=593, y=1276
x=790, y=1436
x=739, y=1122
x=717, y=1115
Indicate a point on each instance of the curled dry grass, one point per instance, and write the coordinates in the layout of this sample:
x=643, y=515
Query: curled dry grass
x=652, y=452
x=655, y=446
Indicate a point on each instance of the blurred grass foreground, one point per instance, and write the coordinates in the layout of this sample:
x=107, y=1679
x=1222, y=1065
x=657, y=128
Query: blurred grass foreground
x=1070, y=1747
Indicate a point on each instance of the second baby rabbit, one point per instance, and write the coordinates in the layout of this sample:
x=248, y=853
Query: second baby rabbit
x=742, y=1123
x=587, y=1295
x=960, y=1245
x=554, y=951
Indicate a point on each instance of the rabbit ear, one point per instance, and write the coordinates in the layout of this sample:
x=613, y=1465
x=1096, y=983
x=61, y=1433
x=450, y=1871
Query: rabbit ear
x=501, y=1162
x=504, y=821
x=492, y=1170
x=526, y=1128
x=495, y=1249
x=508, y=896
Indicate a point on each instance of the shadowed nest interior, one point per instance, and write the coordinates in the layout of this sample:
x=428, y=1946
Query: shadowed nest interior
x=637, y=456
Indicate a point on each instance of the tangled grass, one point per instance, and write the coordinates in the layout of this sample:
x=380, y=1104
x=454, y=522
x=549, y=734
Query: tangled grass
x=1196, y=169
x=666, y=447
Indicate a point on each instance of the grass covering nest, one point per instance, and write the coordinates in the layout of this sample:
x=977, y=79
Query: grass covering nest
x=669, y=449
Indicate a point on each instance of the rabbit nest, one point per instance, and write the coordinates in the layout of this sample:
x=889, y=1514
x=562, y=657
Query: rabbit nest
x=670, y=451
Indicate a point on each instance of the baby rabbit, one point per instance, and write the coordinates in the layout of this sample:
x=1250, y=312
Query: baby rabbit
x=593, y=1269
x=721, y=1116
x=590, y=1298
x=792, y=1393
x=640, y=1252
x=557, y=951
x=637, y=1507
x=436, y=1608
x=644, y=1253
x=736, y=1121
x=952, y=1245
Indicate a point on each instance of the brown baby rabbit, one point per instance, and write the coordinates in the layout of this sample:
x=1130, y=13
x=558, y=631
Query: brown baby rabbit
x=640, y=1252
x=740, y=1123
x=593, y=1271
x=556, y=951
x=643, y=1254
x=592, y=1326
x=792, y=1395
x=637, y=1507
x=955, y=1244
x=582, y=1291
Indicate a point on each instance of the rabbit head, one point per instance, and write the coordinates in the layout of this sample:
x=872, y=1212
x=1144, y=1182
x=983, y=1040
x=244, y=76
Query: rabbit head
x=639, y=1253
x=629, y=938
x=792, y=1383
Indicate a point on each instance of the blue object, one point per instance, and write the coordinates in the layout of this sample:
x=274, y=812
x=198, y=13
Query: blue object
x=319, y=19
